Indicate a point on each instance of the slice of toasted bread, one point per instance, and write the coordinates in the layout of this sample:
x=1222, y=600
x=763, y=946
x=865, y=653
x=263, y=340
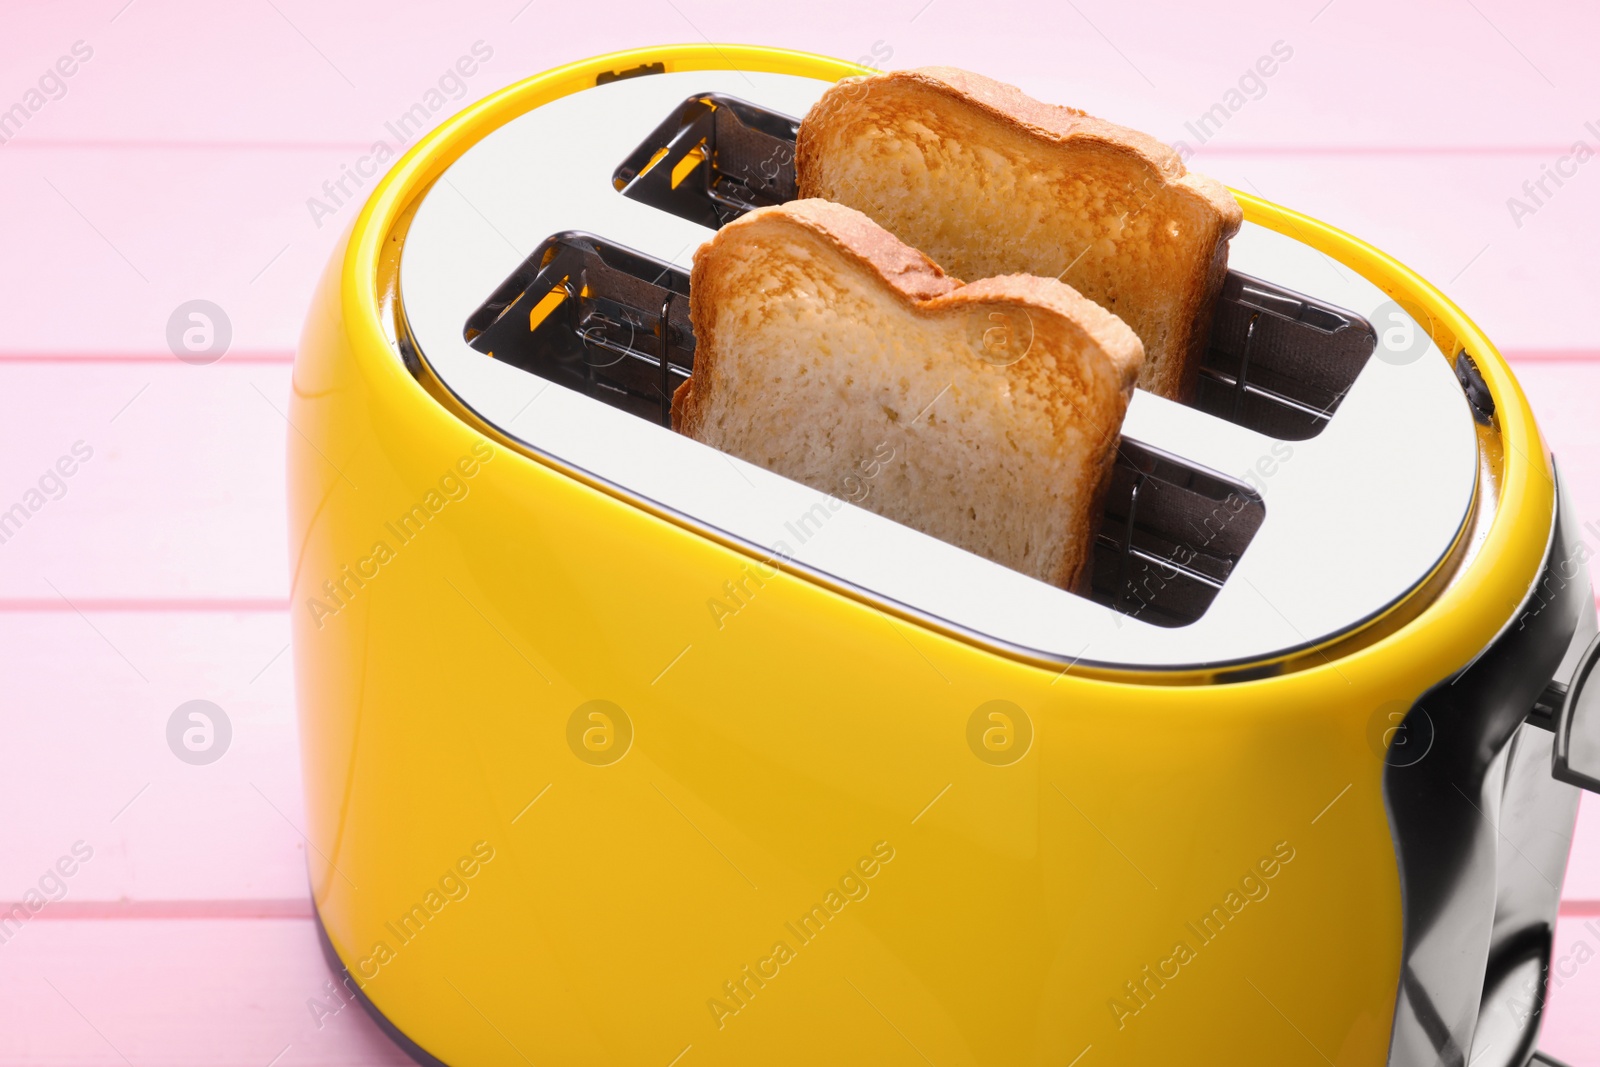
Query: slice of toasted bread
x=989, y=181
x=984, y=414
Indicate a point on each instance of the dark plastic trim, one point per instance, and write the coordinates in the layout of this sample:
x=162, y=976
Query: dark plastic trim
x=1444, y=814
x=352, y=987
x=1570, y=722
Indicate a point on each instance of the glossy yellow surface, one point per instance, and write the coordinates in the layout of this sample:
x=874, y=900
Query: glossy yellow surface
x=582, y=879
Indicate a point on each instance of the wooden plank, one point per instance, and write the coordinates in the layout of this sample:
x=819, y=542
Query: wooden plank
x=311, y=73
x=208, y=993
x=1583, y=865
x=1571, y=1030
x=1563, y=398
x=186, y=938
x=182, y=494
x=86, y=756
x=224, y=992
x=118, y=239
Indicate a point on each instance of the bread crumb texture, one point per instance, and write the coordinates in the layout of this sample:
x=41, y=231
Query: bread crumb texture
x=987, y=181
x=985, y=415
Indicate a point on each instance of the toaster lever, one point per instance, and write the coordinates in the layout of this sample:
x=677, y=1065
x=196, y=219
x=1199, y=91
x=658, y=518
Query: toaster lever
x=1546, y=710
x=1575, y=758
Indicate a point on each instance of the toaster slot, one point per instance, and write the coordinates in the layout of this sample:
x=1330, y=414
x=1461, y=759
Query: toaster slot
x=713, y=159
x=1170, y=534
x=1278, y=362
x=596, y=317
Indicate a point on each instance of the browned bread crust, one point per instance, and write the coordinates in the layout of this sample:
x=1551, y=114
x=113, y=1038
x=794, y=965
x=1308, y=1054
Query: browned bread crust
x=988, y=180
x=823, y=341
x=854, y=235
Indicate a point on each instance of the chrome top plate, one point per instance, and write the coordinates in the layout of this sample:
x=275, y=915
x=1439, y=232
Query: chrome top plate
x=1356, y=517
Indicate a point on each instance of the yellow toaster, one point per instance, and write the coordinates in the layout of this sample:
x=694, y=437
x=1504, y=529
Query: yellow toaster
x=621, y=750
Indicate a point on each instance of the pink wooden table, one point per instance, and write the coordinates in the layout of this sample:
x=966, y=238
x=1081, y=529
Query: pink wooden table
x=177, y=162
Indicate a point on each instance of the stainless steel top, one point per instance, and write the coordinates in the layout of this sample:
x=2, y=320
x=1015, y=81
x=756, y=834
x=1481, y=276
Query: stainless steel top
x=1356, y=517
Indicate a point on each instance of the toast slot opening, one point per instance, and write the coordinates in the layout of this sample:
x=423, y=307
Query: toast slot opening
x=1169, y=536
x=596, y=317
x=1278, y=362
x=713, y=159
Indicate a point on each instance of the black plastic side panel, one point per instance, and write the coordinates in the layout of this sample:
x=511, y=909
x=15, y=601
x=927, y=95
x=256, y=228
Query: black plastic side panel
x=1481, y=833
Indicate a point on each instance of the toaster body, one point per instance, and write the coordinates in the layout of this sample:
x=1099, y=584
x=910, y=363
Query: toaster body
x=593, y=779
